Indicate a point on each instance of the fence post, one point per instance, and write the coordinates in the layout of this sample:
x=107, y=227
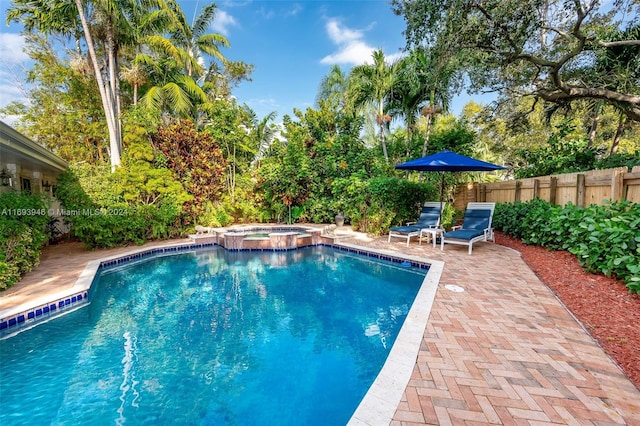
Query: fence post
x=536, y=188
x=617, y=185
x=580, y=189
x=553, y=186
x=518, y=189
x=481, y=192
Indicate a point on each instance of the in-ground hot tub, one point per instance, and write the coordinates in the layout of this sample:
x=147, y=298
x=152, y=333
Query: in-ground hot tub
x=262, y=238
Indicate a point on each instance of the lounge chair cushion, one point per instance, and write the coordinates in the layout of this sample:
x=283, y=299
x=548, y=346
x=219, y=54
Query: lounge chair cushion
x=464, y=234
x=407, y=229
x=428, y=218
x=477, y=219
x=476, y=226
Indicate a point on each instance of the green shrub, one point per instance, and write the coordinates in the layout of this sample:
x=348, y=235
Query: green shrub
x=23, y=231
x=374, y=205
x=604, y=238
x=508, y=217
x=608, y=241
x=129, y=213
x=215, y=215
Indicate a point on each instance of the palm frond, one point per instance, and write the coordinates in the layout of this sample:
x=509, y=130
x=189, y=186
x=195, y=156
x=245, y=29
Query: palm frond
x=203, y=20
x=191, y=87
x=163, y=45
x=177, y=98
x=153, y=99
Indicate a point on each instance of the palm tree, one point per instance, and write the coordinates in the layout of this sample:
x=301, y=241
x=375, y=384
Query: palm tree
x=263, y=132
x=108, y=83
x=46, y=16
x=183, y=51
x=136, y=76
x=107, y=29
x=374, y=83
x=187, y=43
x=67, y=17
x=333, y=88
x=170, y=90
x=142, y=20
x=86, y=20
x=438, y=76
x=409, y=94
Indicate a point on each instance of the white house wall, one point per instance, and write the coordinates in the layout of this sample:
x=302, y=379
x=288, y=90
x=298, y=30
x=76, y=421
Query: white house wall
x=22, y=158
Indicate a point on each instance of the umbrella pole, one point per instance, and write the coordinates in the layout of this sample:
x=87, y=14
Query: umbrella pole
x=441, y=197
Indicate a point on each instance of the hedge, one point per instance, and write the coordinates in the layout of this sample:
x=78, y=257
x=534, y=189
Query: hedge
x=604, y=238
x=23, y=232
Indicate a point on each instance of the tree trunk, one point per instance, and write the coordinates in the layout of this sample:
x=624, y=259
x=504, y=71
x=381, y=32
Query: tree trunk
x=383, y=141
x=425, y=145
x=231, y=178
x=115, y=136
x=622, y=124
x=114, y=85
x=408, y=140
x=592, y=131
x=381, y=119
x=427, y=135
x=544, y=13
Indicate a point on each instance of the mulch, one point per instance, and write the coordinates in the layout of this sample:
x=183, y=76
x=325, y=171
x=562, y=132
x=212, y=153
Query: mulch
x=604, y=306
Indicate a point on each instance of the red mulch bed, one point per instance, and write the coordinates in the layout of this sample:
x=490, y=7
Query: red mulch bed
x=603, y=305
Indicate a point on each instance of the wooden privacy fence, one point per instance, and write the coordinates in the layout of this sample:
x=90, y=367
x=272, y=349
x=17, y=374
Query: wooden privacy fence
x=581, y=189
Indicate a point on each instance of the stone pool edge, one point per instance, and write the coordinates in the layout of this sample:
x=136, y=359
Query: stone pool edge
x=379, y=404
x=25, y=313
x=381, y=401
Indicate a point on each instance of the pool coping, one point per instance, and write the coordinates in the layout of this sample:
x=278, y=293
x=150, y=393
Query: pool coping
x=381, y=401
x=379, y=404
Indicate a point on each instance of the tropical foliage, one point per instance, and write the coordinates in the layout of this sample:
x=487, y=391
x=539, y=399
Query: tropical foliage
x=194, y=158
x=110, y=34
x=141, y=103
x=23, y=231
x=565, y=153
x=560, y=52
x=605, y=238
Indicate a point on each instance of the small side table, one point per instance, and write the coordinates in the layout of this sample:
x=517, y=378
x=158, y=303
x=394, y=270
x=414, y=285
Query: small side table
x=432, y=234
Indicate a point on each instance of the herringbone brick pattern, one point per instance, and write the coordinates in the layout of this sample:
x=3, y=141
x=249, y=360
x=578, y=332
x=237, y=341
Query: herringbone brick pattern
x=506, y=351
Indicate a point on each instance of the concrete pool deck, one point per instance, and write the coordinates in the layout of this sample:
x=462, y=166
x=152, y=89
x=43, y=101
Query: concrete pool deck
x=503, y=351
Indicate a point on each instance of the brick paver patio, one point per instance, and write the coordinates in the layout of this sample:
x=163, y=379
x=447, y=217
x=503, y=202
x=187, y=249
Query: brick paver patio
x=503, y=351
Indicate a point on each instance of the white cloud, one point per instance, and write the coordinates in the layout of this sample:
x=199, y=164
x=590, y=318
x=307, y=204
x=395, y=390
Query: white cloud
x=355, y=53
x=295, y=9
x=223, y=22
x=340, y=34
x=11, y=48
x=263, y=102
x=352, y=49
x=394, y=57
x=269, y=13
x=266, y=13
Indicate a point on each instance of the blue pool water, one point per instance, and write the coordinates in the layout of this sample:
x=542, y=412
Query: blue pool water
x=213, y=338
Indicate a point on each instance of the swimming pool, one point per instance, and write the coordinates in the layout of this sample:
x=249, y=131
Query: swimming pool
x=214, y=337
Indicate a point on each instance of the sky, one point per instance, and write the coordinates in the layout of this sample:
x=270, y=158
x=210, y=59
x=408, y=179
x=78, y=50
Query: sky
x=292, y=45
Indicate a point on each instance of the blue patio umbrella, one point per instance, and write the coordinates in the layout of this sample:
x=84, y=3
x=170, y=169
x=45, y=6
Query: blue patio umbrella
x=448, y=161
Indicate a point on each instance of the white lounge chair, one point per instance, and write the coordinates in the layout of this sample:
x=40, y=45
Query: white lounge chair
x=476, y=226
x=429, y=219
